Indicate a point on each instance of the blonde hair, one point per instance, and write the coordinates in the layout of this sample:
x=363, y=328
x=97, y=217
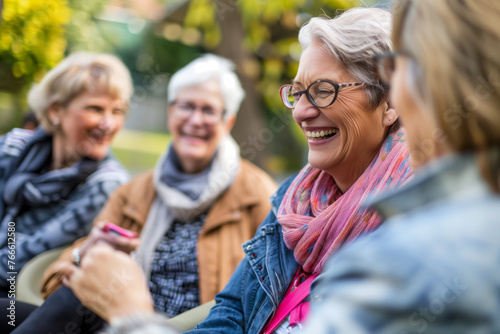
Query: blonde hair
x=456, y=67
x=353, y=38
x=79, y=73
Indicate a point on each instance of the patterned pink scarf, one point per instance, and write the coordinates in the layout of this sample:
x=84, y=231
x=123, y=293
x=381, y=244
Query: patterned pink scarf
x=317, y=218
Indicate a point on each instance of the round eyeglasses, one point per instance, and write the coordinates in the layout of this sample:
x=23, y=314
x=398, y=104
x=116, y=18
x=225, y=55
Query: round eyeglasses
x=321, y=93
x=183, y=110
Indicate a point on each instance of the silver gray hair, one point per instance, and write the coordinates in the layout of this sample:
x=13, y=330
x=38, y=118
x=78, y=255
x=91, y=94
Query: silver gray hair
x=353, y=38
x=207, y=68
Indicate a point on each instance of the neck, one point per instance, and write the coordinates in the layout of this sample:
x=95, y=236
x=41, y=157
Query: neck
x=345, y=175
x=61, y=156
x=193, y=167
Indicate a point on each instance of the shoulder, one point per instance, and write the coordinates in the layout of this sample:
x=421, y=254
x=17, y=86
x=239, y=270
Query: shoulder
x=254, y=177
x=415, y=272
x=139, y=185
x=110, y=169
x=251, y=186
x=414, y=260
x=15, y=141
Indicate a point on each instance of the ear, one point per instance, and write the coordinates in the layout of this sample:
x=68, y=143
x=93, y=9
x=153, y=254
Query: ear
x=390, y=116
x=230, y=123
x=54, y=112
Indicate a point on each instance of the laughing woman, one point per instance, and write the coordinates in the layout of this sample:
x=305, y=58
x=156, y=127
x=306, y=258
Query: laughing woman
x=356, y=150
x=55, y=179
x=434, y=267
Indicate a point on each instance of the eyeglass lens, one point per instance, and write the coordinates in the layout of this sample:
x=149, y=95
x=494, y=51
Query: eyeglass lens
x=322, y=93
x=185, y=110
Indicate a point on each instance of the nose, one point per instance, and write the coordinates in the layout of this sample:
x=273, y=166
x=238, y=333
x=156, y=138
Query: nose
x=304, y=110
x=108, y=121
x=196, y=117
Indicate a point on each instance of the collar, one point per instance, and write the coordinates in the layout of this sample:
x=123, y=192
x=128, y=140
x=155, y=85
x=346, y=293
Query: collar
x=453, y=177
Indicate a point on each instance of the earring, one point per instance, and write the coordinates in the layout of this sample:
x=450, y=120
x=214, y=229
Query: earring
x=56, y=121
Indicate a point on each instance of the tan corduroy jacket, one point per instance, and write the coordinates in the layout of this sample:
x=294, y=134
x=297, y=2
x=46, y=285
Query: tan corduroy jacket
x=232, y=220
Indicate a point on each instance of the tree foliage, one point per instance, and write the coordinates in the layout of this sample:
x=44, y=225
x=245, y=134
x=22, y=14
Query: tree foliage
x=31, y=40
x=36, y=34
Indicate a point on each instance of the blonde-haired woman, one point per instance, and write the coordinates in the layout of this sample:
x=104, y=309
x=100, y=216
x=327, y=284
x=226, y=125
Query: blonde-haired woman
x=55, y=179
x=434, y=265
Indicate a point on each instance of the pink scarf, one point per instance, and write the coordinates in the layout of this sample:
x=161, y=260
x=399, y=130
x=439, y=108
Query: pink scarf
x=317, y=218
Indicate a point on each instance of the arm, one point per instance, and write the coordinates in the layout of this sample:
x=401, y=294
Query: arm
x=372, y=286
x=134, y=302
x=67, y=224
x=109, y=283
x=227, y=315
x=112, y=211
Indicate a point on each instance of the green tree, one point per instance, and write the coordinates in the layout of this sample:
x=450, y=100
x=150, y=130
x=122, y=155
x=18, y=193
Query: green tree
x=31, y=40
x=35, y=35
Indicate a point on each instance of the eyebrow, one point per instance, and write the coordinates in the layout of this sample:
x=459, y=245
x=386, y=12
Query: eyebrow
x=294, y=82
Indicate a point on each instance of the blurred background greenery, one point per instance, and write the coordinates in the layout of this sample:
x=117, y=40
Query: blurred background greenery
x=154, y=38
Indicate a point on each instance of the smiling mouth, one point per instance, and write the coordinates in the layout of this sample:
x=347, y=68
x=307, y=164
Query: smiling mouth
x=100, y=136
x=195, y=136
x=320, y=135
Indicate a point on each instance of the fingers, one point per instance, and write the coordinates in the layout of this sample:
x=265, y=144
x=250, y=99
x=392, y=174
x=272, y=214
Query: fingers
x=109, y=282
x=98, y=236
x=67, y=269
x=119, y=242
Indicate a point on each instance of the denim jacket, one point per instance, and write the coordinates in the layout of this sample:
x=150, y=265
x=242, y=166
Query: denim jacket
x=257, y=286
x=432, y=267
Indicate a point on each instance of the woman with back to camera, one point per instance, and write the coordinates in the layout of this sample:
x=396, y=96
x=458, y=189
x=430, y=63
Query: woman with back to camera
x=192, y=212
x=55, y=179
x=356, y=150
x=434, y=265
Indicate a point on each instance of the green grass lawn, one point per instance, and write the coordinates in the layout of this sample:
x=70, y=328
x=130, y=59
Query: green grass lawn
x=137, y=150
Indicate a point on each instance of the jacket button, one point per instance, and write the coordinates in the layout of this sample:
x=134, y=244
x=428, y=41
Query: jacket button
x=260, y=267
x=254, y=255
x=262, y=278
x=249, y=247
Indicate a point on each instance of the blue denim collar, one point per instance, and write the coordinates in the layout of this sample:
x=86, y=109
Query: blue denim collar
x=451, y=177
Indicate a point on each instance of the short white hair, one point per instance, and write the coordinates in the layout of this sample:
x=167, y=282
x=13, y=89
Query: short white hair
x=79, y=73
x=207, y=68
x=353, y=38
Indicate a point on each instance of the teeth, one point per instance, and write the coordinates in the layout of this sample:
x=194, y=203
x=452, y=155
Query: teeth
x=318, y=134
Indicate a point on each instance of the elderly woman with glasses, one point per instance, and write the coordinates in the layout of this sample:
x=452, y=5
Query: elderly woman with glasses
x=356, y=150
x=192, y=212
x=434, y=266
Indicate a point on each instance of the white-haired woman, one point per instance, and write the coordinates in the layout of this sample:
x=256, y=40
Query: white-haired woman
x=55, y=180
x=356, y=150
x=192, y=212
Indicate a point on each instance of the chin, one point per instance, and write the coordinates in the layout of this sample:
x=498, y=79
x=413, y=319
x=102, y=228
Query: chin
x=98, y=154
x=317, y=160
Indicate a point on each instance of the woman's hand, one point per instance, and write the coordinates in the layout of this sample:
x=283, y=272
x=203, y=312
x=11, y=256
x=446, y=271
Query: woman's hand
x=98, y=236
x=109, y=283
